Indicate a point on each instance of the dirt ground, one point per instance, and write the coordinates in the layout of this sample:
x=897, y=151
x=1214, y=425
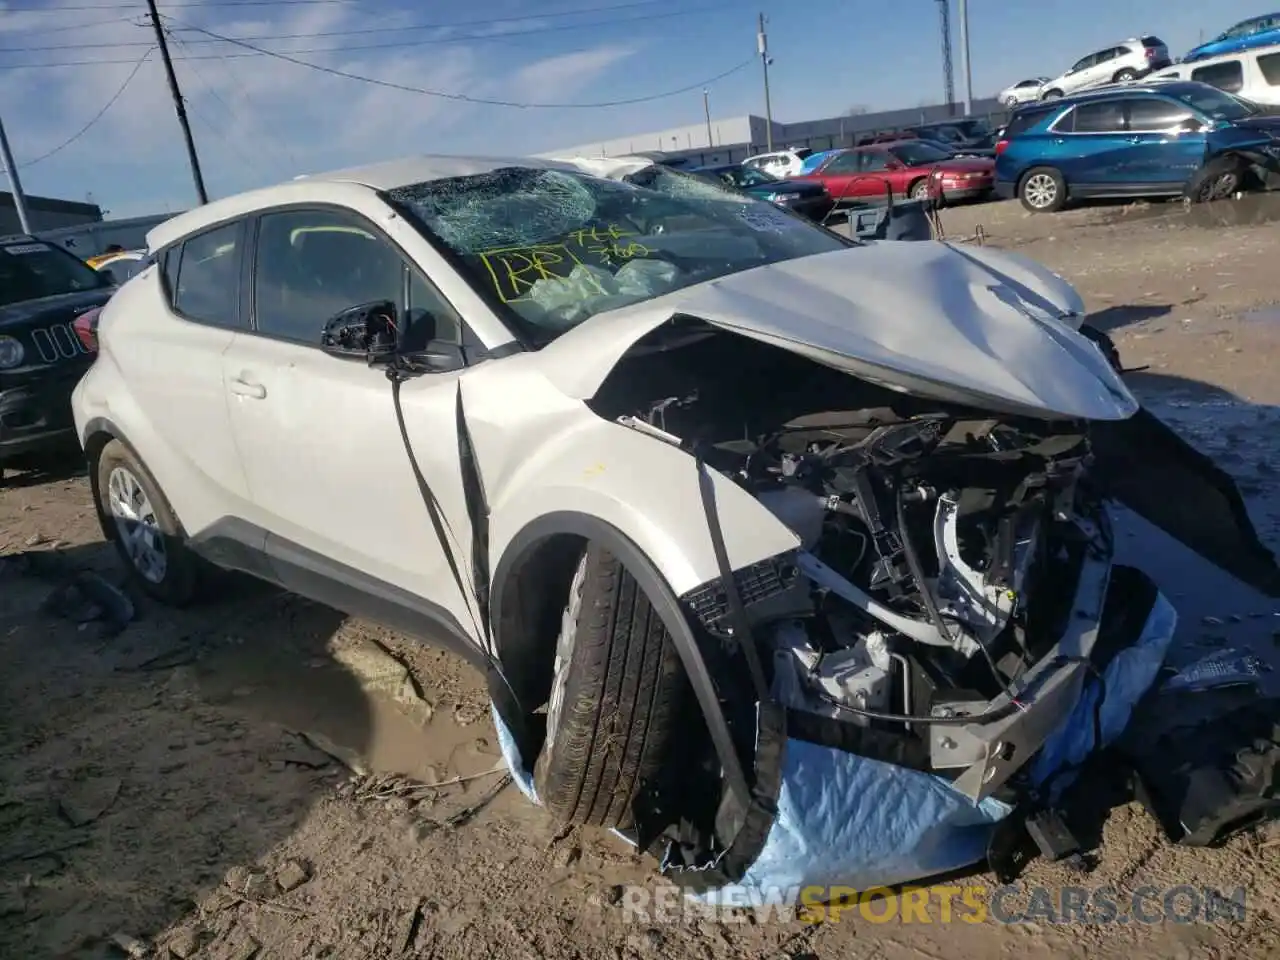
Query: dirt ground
x=186, y=787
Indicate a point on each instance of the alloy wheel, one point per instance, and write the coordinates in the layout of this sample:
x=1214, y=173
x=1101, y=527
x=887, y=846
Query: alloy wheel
x=1041, y=191
x=137, y=525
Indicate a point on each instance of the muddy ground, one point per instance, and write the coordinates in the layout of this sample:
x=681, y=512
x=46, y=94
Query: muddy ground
x=185, y=787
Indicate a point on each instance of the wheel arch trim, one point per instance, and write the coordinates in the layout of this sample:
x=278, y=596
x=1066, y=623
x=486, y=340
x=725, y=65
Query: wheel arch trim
x=523, y=546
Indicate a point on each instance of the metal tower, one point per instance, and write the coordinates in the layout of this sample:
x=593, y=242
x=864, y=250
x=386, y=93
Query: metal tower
x=948, y=77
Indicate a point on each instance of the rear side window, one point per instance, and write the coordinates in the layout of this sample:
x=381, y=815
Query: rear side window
x=1104, y=116
x=206, y=285
x=1269, y=64
x=1228, y=75
x=1026, y=119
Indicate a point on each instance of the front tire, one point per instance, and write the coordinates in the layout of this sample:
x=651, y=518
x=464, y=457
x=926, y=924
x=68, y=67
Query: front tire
x=1043, y=190
x=144, y=529
x=617, y=699
x=1219, y=179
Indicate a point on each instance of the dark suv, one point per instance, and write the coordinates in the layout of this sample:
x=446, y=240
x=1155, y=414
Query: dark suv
x=43, y=291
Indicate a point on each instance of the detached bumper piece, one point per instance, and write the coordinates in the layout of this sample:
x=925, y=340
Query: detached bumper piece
x=837, y=804
x=1207, y=781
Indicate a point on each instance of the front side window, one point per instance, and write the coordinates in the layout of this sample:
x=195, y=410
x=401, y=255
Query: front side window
x=1156, y=115
x=555, y=247
x=313, y=264
x=31, y=269
x=843, y=163
x=206, y=284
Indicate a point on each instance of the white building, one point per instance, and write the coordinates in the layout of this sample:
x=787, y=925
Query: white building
x=736, y=138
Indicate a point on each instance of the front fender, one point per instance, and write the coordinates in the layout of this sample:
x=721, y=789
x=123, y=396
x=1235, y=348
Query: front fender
x=647, y=490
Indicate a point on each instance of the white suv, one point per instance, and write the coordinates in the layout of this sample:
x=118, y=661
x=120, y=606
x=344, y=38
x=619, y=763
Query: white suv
x=660, y=458
x=1127, y=60
x=782, y=163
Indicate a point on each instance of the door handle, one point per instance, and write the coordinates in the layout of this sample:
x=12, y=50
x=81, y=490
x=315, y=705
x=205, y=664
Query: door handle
x=1059, y=141
x=243, y=388
x=1135, y=139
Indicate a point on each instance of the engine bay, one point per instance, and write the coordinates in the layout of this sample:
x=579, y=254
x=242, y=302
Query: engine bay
x=942, y=548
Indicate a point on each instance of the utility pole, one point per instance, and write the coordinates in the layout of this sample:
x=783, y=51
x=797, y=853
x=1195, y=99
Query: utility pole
x=706, y=108
x=15, y=184
x=762, y=42
x=964, y=57
x=177, y=103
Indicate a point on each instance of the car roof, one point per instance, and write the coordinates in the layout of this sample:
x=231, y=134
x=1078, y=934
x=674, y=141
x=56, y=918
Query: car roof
x=1117, y=89
x=372, y=177
x=1261, y=51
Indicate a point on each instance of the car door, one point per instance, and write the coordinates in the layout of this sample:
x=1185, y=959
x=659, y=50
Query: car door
x=1167, y=143
x=879, y=173
x=839, y=175
x=1100, y=69
x=1078, y=75
x=328, y=474
x=1091, y=145
x=178, y=379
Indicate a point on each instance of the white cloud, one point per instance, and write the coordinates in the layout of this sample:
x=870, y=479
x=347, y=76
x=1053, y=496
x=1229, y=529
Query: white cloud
x=258, y=119
x=549, y=80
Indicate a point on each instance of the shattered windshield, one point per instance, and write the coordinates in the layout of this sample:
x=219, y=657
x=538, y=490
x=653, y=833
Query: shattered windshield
x=30, y=270
x=557, y=247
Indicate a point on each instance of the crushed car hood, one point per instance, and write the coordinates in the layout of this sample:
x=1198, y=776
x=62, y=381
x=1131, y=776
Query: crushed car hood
x=978, y=327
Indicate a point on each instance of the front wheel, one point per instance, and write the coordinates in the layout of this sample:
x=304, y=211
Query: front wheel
x=1219, y=179
x=617, y=700
x=1043, y=190
x=1010, y=102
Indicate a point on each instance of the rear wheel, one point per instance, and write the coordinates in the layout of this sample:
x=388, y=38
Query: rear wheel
x=1219, y=179
x=1125, y=75
x=1051, y=95
x=617, y=699
x=919, y=190
x=1043, y=190
x=144, y=529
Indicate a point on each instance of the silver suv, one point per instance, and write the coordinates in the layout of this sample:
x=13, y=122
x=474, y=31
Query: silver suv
x=1124, y=61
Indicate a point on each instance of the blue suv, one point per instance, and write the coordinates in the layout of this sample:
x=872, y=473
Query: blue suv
x=1160, y=139
x=1245, y=35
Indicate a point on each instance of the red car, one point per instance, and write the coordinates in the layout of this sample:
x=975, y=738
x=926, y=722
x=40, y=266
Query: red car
x=911, y=168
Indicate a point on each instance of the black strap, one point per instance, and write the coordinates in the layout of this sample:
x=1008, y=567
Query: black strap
x=444, y=533
x=737, y=611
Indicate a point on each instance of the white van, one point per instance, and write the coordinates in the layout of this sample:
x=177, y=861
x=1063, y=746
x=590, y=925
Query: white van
x=1251, y=74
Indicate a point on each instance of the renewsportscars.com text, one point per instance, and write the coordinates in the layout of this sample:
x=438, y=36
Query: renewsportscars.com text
x=944, y=904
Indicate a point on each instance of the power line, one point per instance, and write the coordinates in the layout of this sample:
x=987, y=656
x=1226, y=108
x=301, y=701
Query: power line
x=77, y=8
x=68, y=27
x=96, y=117
x=470, y=38
x=466, y=98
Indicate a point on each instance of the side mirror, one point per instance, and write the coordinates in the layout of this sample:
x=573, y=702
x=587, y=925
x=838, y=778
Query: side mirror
x=439, y=357
x=1191, y=125
x=107, y=277
x=363, y=332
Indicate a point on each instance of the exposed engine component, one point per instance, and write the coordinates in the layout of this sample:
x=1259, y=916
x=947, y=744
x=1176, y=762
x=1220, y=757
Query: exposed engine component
x=940, y=548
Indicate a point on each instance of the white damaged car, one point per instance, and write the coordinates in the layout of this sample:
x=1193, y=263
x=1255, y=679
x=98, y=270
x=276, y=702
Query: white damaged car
x=785, y=555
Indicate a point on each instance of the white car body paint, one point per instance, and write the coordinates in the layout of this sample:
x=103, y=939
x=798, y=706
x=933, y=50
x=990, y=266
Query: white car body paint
x=318, y=458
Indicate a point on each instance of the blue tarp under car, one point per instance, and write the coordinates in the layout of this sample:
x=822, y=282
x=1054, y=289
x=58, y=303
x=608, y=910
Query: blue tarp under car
x=843, y=819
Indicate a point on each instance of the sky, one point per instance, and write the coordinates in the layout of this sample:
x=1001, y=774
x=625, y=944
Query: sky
x=259, y=119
